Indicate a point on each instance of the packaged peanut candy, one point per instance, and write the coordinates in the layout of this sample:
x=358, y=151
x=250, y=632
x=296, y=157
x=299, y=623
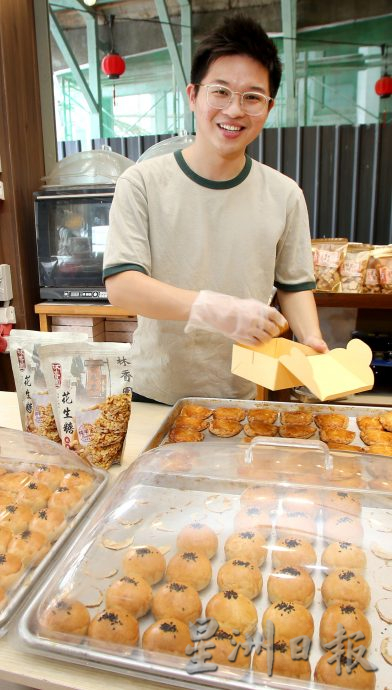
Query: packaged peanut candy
x=90, y=390
x=328, y=256
x=384, y=267
x=372, y=284
x=353, y=267
x=34, y=403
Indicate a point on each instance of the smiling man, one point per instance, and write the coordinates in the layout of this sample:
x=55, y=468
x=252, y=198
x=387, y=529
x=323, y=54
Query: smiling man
x=201, y=236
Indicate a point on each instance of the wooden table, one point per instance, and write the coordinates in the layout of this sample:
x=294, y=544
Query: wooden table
x=46, y=310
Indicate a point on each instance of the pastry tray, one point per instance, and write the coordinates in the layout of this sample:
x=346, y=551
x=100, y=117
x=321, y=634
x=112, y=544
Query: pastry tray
x=38, y=451
x=151, y=510
x=352, y=412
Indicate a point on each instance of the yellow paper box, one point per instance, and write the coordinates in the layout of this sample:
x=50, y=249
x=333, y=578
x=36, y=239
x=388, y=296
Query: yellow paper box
x=283, y=364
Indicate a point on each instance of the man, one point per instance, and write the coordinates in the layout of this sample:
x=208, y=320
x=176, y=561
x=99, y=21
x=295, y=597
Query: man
x=202, y=235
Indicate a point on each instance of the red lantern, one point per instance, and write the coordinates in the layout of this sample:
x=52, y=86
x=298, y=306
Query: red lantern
x=383, y=86
x=113, y=65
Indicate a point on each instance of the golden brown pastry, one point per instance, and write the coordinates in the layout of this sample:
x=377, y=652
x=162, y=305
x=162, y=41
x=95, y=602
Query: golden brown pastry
x=346, y=586
x=16, y=517
x=342, y=502
x=343, y=554
x=224, y=427
x=386, y=420
x=296, y=523
x=296, y=431
x=190, y=567
x=233, y=611
x=346, y=448
x=50, y=521
x=11, y=568
x=331, y=421
x=168, y=635
x=34, y=494
x=226, y=647
x=243, y=577
x=283, y=663
x=179, y=600
x=344, y=527
x=5, y=538
x=14, y=481
x=197, y=537
x=352, y=619
x=236, y=414
x=364, y=423
x=257, y=428
x=371, y=437
x=114, y=626
x=179, y=435
x=303, y=500
x=80, y=480
x=31, y=547
x=253, y=518
x=262, y=496
x=263, y=414
x=191, y=410
x=291, y=583
x=337, y=435
x=65, y=615
x=186, y=422
x=290, y=620
x=51, y=475
x=357, y=679
x=130, y=594
x=293, y=551
x=67, y=499
x=301, y=417
x=379, y=449
x=6, y=498
x=248, y=546
x=146, y=562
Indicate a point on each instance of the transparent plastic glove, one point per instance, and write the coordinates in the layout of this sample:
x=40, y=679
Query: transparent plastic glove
x=246, y=321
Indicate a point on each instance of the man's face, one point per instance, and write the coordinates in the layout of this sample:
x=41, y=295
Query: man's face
x=230, y=130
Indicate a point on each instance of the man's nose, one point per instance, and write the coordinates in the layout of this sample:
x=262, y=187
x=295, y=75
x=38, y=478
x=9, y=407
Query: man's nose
x=235, y=105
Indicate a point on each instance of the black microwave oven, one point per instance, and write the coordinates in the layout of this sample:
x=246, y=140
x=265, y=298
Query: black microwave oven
x=71, y=227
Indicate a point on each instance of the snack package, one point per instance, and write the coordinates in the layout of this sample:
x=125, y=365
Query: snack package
x=372, y=283
x=90, y=390
x=384, y=267
x=353, y=268
x=34, y=403
x=328, y=256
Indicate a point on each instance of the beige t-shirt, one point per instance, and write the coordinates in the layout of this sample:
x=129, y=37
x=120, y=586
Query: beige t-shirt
x=238, y=237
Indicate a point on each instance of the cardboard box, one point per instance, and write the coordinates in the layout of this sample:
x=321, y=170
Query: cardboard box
x=281, y=363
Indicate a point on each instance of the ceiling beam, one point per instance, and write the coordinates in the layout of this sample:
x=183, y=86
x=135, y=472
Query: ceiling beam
x=289, y=28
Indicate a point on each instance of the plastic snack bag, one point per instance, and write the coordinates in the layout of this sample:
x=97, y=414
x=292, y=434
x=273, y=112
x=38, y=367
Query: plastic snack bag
x=372, y=284
x=328, y=256
x=384, y=267
x=34, y=404
x=353, y=267
x=90, y=390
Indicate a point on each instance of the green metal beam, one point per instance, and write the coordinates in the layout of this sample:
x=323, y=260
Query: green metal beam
x=186, y=51
x=94, y=74
x=289, y=27
x=172, y=47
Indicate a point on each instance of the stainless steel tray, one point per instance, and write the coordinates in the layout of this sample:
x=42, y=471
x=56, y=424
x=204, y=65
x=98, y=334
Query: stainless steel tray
x=352, y=411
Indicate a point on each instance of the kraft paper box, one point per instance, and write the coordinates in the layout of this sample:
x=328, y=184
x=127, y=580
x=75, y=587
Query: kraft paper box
x=280, y=363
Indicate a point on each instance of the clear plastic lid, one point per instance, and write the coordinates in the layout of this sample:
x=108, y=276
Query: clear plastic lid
x=245, y=553
x=102, y=166
x=44, y=492
x=167, y=146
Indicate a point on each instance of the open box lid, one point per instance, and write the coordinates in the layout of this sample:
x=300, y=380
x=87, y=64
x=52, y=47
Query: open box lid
x=280, y=363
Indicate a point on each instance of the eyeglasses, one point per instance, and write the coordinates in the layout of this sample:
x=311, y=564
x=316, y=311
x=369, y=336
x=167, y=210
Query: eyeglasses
x=252, y=102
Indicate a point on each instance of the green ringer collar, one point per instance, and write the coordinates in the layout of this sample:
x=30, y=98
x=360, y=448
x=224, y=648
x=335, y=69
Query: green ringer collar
x=213, y=184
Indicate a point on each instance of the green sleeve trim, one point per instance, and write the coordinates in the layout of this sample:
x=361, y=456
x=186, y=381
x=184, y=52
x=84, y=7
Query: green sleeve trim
x=113, y=270
x=299, y=287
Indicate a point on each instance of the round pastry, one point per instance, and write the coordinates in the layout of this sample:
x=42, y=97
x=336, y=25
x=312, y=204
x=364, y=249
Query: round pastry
x=50, y=521
x=357, y=679
x=293, y=551
x=34, y=494
x=51, y=475
x=67, y=499
x=241, y=576
x=224, y=427
x=185, y=435
x=303, y=417
x=352, y=619
x=344, y=527
x=290, y=620
x=115, y=626
x=186, y=422
x=146, y=562
x=234, y=413
x=79, y=479
x=16, y=517
x=303, y=500
x=30, y=546
x=198, y=537
x=168, y=635
x=341, y=502
x=342, y=554
x=253, y=518
x=262, y=414
x=190, y=567
x=234, y=611
x=65, y=615
x=378, y=449
x=331, y=421
x=365, y=422
x=227, y=649
x=262, y=496
x=6, y=498
x=3, y=598
x=11, y=568
x=296, y=523
x=131, y=594
x=291, y=584
x=283, y=664
x=386, y=420
x=354, y=482
x=177, y=599
x=249, y=546
x=191, y=410
x=256, y=428
x=344, y=586
x=5, y=538
x=14, y=481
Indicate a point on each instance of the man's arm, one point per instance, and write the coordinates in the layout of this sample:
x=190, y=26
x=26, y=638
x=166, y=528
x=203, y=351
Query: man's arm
x=300, y=310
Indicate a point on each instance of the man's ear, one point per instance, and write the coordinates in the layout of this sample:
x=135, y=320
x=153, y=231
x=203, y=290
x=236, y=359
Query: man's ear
x=271, y=105
x=191, y=93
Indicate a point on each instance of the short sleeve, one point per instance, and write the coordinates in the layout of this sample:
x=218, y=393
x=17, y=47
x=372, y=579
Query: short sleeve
x=294, y=263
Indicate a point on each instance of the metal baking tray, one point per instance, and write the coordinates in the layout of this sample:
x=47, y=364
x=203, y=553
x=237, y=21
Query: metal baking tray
x=151, y=509
x=22, y=445
x=352, y=411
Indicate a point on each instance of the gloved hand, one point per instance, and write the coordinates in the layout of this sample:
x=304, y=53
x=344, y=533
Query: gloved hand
x=247, y=321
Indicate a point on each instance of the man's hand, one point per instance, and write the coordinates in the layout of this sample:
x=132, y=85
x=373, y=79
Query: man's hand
x=247, y=321
x=316, y=343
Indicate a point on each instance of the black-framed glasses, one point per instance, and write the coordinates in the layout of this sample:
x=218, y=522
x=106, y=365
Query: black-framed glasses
x=252, y=102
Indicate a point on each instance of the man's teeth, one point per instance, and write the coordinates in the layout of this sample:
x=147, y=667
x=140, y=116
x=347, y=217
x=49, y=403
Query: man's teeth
x=231, y=128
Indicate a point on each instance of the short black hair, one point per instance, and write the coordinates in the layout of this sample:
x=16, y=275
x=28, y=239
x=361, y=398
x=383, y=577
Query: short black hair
x=238, y=35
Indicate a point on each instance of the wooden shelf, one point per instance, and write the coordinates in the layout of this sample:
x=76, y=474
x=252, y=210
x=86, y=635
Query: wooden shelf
x=46, y=310
x=352, y=300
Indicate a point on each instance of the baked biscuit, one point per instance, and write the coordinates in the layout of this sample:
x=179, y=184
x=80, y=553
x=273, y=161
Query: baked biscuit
x=253, y=518
x=331, y=421
x=6, y=498
x=351, y=618
x=81, y=480
x=35, y=494
x=190, y=410
x=340, y=501
x=236, y=414
x=114, y=626
x=304, y=500
x=146, y=562
x=233, y=611
x=130, y=594
x=11, y=568
x=283, y=663
x=343, y=527
x=31, y=547
x=14, y=481
x=337, y=435
x=248, y=546
x=186, y=422
x=262, y=415
x=66, y=616
x=379, y=449
x=226, y=647
x=179, y=435
x=303, y=418
x=343, y=554
x=257, y=428
x=293, y=551
x=358, y=678
x=386, y=420
x=346, y=586
x=296, y=431
x=197, y=537
x=364, y=423
x=333, y=445
x=16, y=517
x=51, y=475
x=5, y=538
x=168, y=635
x=179, y=600
x=190, y=567
x=291, y=584
x=50, y=521
x=224, y=427
x=263, y=496
x=296, y=523
x=65, y=498
x=243, y=577
x=371, y=437
x=290, y=620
